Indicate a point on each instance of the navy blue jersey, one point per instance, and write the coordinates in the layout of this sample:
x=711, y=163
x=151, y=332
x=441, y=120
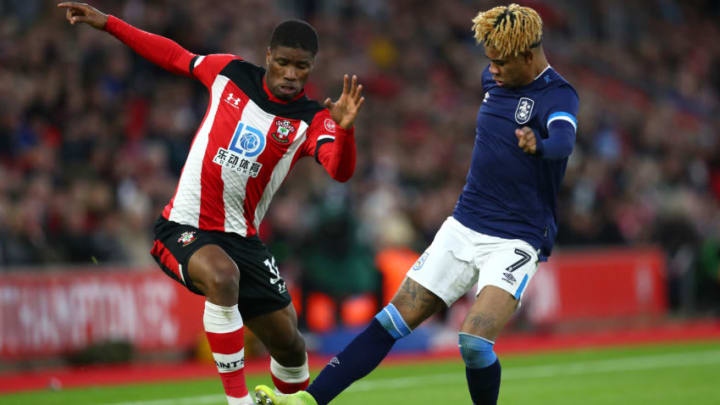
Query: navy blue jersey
x=509, y=193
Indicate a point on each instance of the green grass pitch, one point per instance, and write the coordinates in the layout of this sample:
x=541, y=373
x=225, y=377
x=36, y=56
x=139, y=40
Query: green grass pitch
x=657, y=375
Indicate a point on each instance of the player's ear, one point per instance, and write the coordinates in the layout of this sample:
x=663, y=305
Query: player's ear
x=528, y=57
x=268, y=56
x=312, y=64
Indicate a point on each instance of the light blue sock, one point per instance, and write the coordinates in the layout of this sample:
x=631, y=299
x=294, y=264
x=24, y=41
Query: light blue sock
x=393, y=322
x=482, y=368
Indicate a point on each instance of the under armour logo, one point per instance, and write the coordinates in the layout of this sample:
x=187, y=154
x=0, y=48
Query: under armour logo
x=235, y=102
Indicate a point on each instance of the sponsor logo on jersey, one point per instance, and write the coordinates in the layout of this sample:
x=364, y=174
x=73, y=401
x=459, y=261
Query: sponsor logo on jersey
x=233, y=161
x=284, y=131
x=233, y=101
x=523, y=112
x=247, y=142
x=187, y=238
x=507, y=277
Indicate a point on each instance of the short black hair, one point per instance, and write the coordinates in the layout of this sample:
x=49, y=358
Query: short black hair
x=295, y=34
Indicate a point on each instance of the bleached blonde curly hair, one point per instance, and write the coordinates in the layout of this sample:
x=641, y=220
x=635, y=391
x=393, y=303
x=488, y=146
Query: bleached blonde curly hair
x=511, y=30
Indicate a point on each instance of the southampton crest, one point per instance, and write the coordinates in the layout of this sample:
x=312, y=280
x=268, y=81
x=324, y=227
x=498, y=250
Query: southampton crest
x=284, y=129
x=187, y=238
x=523, y=112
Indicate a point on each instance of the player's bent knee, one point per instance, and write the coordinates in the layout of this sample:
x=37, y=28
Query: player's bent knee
x=224, y=278
x=476, y=351
x=215, y=274
x=393, y=322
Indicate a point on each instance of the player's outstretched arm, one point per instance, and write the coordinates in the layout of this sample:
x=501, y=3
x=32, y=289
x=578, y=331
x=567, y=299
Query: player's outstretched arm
x=155, y=48
x=345, y=109
x=84, y=13
x=558, y=145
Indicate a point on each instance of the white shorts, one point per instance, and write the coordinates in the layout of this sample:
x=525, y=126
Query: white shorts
x=459, y=257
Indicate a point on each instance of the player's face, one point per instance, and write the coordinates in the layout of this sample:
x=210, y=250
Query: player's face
x=287, y=71
x=509, y=71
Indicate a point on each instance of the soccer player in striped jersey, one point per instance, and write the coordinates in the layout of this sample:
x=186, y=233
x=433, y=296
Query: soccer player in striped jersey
x=258, y=124
x=504, y=221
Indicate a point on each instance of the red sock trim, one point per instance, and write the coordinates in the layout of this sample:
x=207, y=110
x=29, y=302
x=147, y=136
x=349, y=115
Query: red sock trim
x=230, y=343
x=289, y=388
x=234, y=383
x=226, y=343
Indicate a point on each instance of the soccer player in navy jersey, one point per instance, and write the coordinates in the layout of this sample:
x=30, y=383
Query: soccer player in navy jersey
x=504, y=222
x=258, y=124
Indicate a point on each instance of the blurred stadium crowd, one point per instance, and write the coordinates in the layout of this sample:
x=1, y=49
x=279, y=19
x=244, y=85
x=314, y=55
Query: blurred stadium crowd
x=92, y=138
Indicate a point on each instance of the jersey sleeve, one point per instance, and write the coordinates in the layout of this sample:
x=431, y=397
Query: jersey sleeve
x=167, y=53
x=206, y=67
x=331, y=146
x=561, y=124
x=563, y=107
x=159, y=50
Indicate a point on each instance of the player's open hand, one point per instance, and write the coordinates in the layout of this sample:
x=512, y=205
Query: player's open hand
x=83, y=13
x=345, y=109
x=526, y=140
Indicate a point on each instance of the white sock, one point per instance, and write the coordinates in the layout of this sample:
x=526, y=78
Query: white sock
x=290, y=379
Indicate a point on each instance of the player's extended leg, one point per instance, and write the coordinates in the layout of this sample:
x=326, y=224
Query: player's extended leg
x=411, y=305
x=216, y=275
x=288, y=359
x=488, y=315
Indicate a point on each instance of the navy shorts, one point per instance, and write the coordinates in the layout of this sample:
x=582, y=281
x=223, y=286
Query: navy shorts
x=262, y=290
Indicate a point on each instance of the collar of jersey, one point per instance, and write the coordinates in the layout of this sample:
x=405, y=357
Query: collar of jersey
x=543, y=72
x=536, y=84
x=274, y=99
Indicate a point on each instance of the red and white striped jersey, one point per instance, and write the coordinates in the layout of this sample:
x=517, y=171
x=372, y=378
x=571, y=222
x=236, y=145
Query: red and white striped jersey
x=247, y=142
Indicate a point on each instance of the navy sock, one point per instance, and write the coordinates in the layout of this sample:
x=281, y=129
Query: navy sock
x=357, y=360
x=484, y=383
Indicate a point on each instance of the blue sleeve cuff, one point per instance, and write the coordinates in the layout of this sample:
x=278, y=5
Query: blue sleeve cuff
x=562, y=116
